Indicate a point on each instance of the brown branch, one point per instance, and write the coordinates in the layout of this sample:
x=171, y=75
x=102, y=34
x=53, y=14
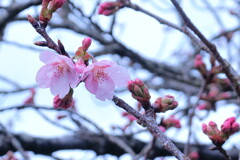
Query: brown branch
x=149, y=121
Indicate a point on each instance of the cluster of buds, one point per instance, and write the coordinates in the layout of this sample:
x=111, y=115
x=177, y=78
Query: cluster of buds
x=170, y=122
x=82, y=51
x=65, y=103
x=229, y=127
x=193, y=155
x=215, y=94
x=163, y=104
x=218, y=137
x=49, y=7
x=139, y=92
x=30, y=99
x=109, y=8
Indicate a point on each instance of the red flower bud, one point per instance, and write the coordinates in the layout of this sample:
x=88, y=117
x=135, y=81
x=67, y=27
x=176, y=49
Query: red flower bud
x=200, y=65
x=171, y=122
x=108, y=8
x=193, y=155
x=204, y=106
x=55, y=4
x=64, y=103
x=139, y=91
x=164, y=104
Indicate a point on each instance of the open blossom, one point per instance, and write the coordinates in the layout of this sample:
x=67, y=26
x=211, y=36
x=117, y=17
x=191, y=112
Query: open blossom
x=101, y=78
x=58, y=74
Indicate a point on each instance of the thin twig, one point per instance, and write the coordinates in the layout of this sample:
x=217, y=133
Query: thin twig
x=227, y=68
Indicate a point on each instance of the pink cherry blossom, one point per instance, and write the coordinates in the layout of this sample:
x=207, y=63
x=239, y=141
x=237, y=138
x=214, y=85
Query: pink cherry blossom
x=58, y=74
x=102, y=77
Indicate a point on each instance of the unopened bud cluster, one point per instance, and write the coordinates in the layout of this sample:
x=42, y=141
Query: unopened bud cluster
x=215, y=94
x=170, y=122
x=163, y=104
x=139, y=91
x=49, y=7
x=218, y=137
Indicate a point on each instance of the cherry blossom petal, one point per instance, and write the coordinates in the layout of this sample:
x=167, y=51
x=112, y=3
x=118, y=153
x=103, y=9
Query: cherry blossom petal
x=105, y=90
x=43, y=76
x=119, y=75
x=73, y=78
x=106, y=63
x=68, y=61
x=49, y=57
x=60, y=86
x=91, y=84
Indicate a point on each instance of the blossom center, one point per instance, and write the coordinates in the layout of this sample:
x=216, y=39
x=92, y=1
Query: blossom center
x=99, y=74
x=59, y=69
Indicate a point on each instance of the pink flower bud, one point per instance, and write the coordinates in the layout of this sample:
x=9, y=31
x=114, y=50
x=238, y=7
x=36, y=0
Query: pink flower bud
x=139, y=91
x=171, y=122
x=166, y=103
x=131, y=118
x=230, y=126
x=168, y=99
x=200, y=65
x=86, y=44
x=139, y=82
x=108, y=8
x=204, y=128
x=214, y=91
x=215, y=135
x=55, y=4
x=205, y=106
x=198, y=61
x=163, y=129
x=193, y=155
x=212, y=124
x=64, y=103
x=235, y=127
x=45, y=15
x=45, y=3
